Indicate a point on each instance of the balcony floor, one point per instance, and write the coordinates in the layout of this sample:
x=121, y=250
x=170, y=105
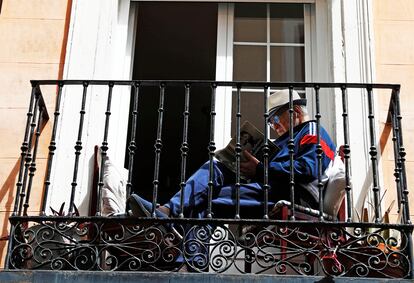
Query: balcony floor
x=170, y=277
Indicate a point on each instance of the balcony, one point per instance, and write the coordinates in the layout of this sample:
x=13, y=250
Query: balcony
x=286, y=239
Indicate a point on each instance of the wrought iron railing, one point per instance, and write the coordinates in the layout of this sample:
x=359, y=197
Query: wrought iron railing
x=266, y=245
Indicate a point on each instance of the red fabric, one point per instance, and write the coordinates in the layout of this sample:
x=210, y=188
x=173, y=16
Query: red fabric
x=311, y=139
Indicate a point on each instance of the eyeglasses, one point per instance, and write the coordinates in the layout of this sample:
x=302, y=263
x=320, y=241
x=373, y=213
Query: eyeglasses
x=275, y=119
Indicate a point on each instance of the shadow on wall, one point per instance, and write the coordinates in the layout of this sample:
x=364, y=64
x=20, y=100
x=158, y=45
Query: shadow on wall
x=7, y=192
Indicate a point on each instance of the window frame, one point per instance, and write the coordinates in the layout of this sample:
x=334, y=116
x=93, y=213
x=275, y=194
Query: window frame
x=224, y=64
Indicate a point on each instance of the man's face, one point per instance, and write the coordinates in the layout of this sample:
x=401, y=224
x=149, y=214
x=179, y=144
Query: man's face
x=280, y=122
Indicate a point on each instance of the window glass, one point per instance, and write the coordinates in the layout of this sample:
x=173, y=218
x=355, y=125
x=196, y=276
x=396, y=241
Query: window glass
x=286, y=23
x=250, y=22
x=249, y=63
x=287, y=64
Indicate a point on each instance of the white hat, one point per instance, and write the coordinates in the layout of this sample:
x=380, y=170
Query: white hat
x=279, y=100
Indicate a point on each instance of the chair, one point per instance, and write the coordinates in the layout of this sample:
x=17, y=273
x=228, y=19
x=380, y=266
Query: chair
x=310, y=238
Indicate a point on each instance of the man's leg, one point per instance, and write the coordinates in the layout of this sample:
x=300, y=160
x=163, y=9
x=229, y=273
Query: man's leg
x=195, y=191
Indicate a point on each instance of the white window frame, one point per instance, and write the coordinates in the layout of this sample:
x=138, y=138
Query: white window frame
x=224, y=64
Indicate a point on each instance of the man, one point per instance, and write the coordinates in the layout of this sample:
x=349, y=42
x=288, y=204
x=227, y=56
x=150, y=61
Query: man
x=251, y=195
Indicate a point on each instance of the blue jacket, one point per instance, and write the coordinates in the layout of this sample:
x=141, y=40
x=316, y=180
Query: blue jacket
x=305, y=159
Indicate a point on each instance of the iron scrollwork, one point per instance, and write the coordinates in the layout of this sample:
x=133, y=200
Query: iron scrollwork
x=151, y=245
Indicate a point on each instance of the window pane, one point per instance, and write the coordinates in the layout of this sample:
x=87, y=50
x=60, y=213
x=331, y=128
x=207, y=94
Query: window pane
x=286, y=23
x=250, y=22
x=287, y=64
x=249, y=63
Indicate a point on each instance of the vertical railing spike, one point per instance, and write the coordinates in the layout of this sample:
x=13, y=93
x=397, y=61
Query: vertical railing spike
x=319, y=151
x=184, y=147
x=158, y=148
x=238, y=150
x=373, y=153
x=132, y=143
x=28, y=157
x=266, y=186
x=104, y=149
x=401, y=157
x=78, y=147
x=32, y=167
x=211, y=150
x=347, y=153
x=52, y=148
x=24, y=149
x=291, y=148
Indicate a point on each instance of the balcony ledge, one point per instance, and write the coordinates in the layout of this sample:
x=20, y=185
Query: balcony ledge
x=12, y=276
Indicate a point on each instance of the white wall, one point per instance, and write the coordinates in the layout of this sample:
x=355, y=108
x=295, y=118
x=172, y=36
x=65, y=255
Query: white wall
x=98, y=48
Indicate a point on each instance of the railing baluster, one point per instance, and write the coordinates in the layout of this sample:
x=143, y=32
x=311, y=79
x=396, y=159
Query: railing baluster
x=347, y=153
x=238, y=152
x=158, y=147
x=184, y=147
x=132, y=143
x=266, y=186
x=211, y=149
x=24, y=148
x=78, y=148
x=319, y=151
x=28, y=158
x=373, y=152
x=401, y=154
x=52, y=148
x=104, y=148
x=397, y=160
x=32, y=167
x=291, y=148
x=403, y=179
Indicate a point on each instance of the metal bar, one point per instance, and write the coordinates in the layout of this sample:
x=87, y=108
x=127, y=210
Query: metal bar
x=32, y=167
x=132, y=143
x=205, y=221
x=401, y=154
x=291, y=147
x=373, y=152
x=220, y=83
x=78, y=148
x=266, y=186
x=319, y=152
x=28, y=158
x=397, y=160
x=24, y=149
x=211, y=149
x=398, y=169
x=158, y=147
x=184, y=147
x=52, y=148
x=347, y=153
x=104, y=149
x=238, y=150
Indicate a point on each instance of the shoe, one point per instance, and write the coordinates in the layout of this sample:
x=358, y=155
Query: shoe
x=141, y=208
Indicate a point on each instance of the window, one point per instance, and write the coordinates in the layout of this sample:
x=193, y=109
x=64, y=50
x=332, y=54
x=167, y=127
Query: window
x=268, y=42
x=265, y=42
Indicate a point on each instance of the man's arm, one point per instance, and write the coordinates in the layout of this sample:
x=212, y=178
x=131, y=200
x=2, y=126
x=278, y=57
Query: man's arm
x=248, y=168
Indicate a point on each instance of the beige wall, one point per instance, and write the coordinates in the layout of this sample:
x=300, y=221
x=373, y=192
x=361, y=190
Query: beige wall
x=33, y=40
x=394, y=52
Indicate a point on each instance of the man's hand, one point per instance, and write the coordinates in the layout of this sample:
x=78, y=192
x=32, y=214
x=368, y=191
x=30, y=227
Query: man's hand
x=248, y=168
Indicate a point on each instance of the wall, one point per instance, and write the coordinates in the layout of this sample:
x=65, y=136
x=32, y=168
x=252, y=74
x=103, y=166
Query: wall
x=393, y=27
x=33, y=41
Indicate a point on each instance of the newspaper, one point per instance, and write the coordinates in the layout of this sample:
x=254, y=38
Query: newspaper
x=252, y=140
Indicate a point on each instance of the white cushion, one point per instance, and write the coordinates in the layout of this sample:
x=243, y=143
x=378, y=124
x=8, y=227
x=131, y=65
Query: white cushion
x=335, y=188
x=114, y=188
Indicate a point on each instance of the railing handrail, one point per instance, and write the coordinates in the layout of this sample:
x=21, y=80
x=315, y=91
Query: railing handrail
x=220, y=83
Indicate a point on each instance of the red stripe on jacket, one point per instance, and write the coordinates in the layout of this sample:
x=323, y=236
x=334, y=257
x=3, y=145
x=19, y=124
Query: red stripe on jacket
x=312, y=139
